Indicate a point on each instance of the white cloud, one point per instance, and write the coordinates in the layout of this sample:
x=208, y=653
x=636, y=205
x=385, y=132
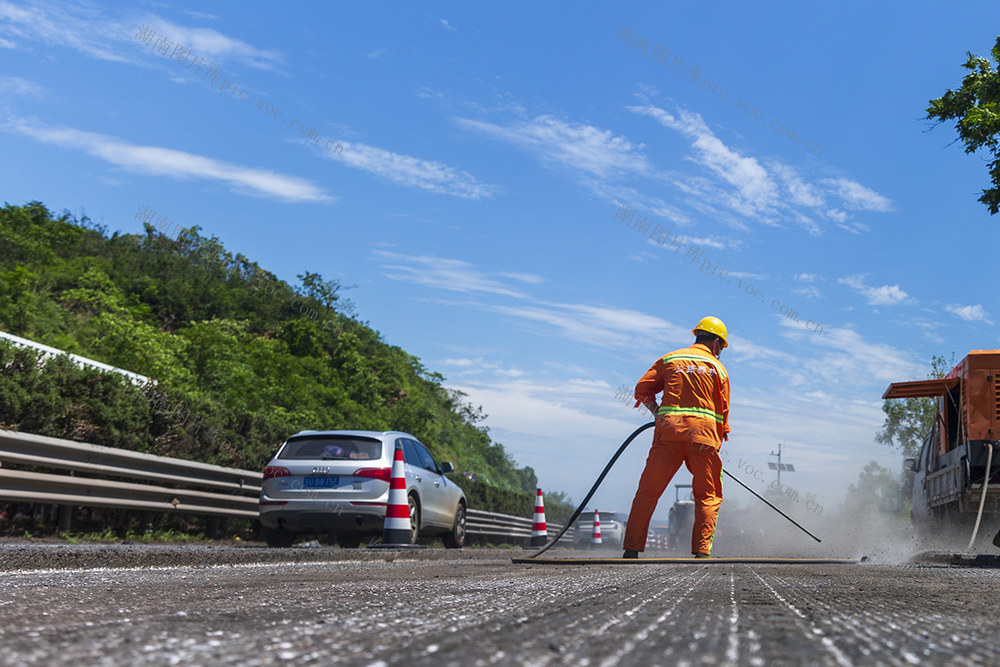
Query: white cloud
x=886, y=295
x=807, y=277
x=447, y=25
x=428, y=93
x=88, y=28
x=584, y=148
x=14, y=85
x=480, y=367
x=84, y=28
x=530, y=278
x=411, y=171
x=770, y=192
x=160, y=161
x=836, y=215
x=201, y=15
x=757, y=191
x=732, y=189
x=801, y=192
x=857, y=196
x=644, y=256
x=600, y=326
x=625, y=195
x=604, y=327
x=449, y=274
x=808, y=291
x=850, y=359
x=974, y=313
x=213, y=45
x=713, y=242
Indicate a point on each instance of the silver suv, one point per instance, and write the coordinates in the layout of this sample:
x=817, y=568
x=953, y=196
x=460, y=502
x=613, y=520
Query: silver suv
x=612, y=528
x=337, y=482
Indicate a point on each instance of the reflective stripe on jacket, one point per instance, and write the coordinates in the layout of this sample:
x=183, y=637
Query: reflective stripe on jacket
x=695, y=404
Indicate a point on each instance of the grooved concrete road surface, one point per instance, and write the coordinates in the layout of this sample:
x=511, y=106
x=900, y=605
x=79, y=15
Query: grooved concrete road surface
x=445, y=608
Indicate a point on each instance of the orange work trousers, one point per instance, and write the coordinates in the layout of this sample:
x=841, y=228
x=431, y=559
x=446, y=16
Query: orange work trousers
x=664, y=460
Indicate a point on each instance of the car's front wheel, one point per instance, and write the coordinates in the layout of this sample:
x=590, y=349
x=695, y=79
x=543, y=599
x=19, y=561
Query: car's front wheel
x=277, y=537
x=456, y=538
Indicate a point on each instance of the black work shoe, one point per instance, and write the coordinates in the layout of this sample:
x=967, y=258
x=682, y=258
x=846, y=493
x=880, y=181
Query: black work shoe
x=701, y=555
x=630, y=553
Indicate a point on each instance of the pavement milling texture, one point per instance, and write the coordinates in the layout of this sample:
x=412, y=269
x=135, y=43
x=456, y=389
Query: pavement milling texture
x=486, y=610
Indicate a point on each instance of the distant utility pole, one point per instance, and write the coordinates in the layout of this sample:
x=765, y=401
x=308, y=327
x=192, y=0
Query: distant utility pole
x=779, y=466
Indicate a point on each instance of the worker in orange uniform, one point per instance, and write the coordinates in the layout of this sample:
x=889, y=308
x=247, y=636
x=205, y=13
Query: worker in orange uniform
x=691, y=423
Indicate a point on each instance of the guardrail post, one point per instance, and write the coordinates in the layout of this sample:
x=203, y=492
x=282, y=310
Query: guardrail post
x=65, y=516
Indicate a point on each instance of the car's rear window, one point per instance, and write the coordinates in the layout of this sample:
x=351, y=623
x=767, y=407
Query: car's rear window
x=332, y=448
x=605, y=516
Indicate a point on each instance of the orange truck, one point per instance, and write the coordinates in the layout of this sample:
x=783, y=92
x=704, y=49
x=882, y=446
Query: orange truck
x=951, y=469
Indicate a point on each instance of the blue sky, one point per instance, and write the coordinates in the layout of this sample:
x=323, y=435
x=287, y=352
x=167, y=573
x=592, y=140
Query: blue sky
x=467, y=168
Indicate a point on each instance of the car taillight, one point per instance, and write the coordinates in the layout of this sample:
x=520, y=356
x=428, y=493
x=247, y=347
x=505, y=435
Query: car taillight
x=383, y=474
x=275, y=471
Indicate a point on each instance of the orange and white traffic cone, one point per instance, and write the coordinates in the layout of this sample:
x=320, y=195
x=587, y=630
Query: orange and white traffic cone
x=539, y=532
x=595, y=534
x=396, y=532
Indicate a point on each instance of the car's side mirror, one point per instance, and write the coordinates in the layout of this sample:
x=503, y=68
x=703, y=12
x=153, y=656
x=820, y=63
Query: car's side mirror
x=446, y=467
x=910, y=464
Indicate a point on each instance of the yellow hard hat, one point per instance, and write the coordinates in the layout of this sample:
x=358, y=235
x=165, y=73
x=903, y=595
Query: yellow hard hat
x=712, y=325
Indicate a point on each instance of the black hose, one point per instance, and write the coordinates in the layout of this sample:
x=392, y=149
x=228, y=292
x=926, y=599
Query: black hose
x=797, y=525
x=593, y=489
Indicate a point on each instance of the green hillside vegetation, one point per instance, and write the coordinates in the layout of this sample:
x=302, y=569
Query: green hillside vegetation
x=242, y=360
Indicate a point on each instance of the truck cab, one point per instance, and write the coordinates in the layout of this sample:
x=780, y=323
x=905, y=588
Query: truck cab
x=951, y=467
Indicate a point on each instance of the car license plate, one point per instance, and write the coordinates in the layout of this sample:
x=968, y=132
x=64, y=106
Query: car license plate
x=320, y=482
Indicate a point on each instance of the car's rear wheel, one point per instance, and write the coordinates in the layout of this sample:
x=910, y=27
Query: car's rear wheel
x=277, y=537
x=414, y=519
x=456, y=538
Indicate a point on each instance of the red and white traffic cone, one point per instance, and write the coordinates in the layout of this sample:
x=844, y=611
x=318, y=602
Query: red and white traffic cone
x=396, y=532
x=595, y=534
x=539, y=532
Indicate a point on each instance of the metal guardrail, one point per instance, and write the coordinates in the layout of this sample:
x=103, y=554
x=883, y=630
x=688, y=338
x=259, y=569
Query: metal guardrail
x=493, y=526
x=47, y=352
x=196, y=488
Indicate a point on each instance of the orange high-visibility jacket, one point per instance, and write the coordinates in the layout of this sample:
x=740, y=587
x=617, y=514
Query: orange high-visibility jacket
x=695, y=405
